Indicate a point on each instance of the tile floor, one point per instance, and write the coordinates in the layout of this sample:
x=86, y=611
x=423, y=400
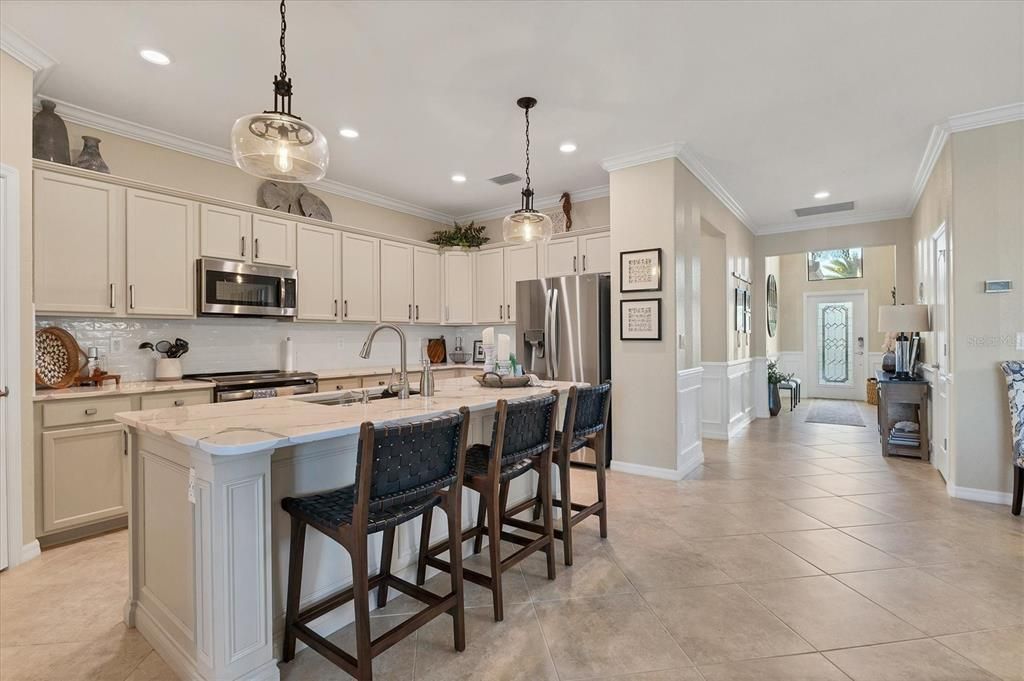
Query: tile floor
x=796, y=552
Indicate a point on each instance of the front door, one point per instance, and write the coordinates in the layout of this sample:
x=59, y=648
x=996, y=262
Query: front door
x=835, y=336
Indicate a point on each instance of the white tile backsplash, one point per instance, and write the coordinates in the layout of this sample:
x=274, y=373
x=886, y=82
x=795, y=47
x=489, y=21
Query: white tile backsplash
x=240, y=344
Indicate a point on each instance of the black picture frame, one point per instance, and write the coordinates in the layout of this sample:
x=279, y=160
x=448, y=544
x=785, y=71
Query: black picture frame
x=478, y=351
x=623, y=304
x=624, y=256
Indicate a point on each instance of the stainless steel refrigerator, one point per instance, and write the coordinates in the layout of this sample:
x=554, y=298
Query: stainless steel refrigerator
x=563, y=331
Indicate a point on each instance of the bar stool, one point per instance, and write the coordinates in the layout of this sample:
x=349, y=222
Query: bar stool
x=402, y=472
x=522, y=440
x=586, y=417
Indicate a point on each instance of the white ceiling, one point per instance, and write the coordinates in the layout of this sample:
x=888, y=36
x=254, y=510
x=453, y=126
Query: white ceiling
x=779, y=100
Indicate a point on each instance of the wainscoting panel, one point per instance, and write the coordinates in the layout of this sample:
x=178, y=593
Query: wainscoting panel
x=690, y=453
x=728, y=397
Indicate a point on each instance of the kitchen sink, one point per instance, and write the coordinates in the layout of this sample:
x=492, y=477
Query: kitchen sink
x=351, y=397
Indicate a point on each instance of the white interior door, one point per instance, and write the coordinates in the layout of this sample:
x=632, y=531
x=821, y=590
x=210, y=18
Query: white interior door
x=7, y=326
x=940, y=353
x=835, y=337
x=10, y=415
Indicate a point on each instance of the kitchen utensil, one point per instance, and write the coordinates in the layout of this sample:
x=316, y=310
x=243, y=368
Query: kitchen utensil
x=179, y=348
x=163, y=347
x=58, y=358
x=492, y=380
x=437, y=350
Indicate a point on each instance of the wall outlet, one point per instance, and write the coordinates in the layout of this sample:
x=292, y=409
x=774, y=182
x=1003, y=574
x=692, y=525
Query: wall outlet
x=341, y=343
x=1020, y=340
x=116, y=345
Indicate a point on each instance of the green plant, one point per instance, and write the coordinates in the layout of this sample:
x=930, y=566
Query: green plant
x=775, y=376
x=460, y=236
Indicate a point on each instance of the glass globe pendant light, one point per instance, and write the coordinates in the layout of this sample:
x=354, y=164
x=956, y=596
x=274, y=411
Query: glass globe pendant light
x=526, y=224
x=278, y=145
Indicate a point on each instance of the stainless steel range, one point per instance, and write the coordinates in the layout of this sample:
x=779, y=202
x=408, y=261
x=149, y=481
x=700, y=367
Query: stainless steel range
x=233, y=386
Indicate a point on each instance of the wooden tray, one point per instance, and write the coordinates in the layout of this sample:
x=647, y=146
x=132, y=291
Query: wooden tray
x=437, y=350
x=493, y=380
x=58, y=358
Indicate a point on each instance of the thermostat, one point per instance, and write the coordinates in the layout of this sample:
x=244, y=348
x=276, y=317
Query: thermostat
x=998, y=286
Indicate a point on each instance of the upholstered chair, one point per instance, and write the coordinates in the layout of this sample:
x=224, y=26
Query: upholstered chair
x=1014, y=372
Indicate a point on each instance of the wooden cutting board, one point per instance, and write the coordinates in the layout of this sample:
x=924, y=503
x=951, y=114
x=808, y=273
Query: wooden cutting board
x=437, y=350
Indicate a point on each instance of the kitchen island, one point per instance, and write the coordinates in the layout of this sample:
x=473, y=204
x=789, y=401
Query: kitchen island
x=208, y=538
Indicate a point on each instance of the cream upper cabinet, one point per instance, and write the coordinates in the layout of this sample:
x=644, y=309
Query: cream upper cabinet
x=224, y=233
x=396, y=282
x=359, y=278
x=520, y=265
x=318, y=261
x=489, y=287
x=595, y=253
x=273, y=241
x=426, y=294
x=78, y=245
x=562, y=257
x=84, y=476
x=458, y=288
x=160, y=254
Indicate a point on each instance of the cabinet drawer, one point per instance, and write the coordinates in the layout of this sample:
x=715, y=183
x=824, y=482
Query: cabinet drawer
x=175, y=399
x=68, y=412
x=378, y=381
x=913, y=393
x=333, y=384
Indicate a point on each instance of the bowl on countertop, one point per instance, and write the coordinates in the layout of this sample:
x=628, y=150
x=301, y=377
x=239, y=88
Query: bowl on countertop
x=459, y=356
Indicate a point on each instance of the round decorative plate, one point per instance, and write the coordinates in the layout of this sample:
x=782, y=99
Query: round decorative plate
x=314, y=207
x=282, y=196
x=57, y=357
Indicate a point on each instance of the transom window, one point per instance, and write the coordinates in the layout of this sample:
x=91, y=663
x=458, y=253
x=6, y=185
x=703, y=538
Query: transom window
x=839, y=263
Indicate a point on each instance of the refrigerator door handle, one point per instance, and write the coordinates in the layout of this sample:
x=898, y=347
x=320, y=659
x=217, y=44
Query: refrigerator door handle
x=553, y=335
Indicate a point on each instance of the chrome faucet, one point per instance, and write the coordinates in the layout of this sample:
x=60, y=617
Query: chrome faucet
x=403, y=379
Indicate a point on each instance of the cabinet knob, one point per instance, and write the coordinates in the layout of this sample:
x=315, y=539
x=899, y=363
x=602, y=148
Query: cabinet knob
x=179, y=403
x=91, y=411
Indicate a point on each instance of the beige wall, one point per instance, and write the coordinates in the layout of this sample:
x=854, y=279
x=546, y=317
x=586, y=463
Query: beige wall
x=16, y=151
x=715, y=316
x=933, y=209
x=772, y=345
x=879, y=278
x=585, y=214
x=165, y=167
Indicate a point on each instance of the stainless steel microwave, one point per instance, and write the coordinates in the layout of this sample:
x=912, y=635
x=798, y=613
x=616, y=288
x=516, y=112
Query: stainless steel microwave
x=226, y=287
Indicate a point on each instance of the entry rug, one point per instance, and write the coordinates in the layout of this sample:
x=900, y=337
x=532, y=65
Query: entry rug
x=835, y=412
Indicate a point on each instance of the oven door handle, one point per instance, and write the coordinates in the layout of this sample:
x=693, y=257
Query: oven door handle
x=234, y=395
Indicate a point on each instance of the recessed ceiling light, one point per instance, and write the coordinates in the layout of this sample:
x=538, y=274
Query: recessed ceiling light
x=458, y=178
x=155, y=57
x=567, y=147
x=822, y=195
x=348, y=132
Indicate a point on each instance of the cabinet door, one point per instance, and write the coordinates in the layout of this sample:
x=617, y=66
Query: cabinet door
x=520, y=265
x=489, y=287
x=426, y=295
x=595, y=253
x=359, y=278
x=318, y=261
x=78, y=245
x=273, y=241
x=458, y=288
x=83, y=476
x=562, y=258
x=160, y=255
x=396, y=282
x=224, y=233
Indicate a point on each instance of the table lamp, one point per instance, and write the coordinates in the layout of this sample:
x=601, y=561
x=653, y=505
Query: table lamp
x=902, y=319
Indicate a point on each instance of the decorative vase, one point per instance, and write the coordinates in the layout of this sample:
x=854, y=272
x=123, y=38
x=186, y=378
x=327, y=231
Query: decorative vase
x=889, y=362
x=50, y=135
x=774, y=400
x=90, y=158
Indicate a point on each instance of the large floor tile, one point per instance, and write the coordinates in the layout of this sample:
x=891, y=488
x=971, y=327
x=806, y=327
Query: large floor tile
x=839, y=512
x=61, y=613
x=773, y=516
x=929, y=604
x=753, y=557
x=153, y=668
x=808, y=667
x=705, y=521
x=723, y=623
x=985, y=580
x=998, y=651
x=110, y=654
x=842, y=485
x=833, y=551
x=592, y=637
x=829, y=614
x=593, y=573
x=394, y=664
x=918, y=542
x=672, y=567
x=788, y=488
x=907, y=661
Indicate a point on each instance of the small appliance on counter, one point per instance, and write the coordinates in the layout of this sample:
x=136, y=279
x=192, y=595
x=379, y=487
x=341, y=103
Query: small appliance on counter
x=233, y=386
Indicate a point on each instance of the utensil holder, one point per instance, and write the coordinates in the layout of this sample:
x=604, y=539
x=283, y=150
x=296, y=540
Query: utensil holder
x=168, y=369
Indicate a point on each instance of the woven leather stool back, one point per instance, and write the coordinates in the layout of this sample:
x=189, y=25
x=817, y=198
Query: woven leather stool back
x=410, y=461
x=591, y=410
x=527, y=428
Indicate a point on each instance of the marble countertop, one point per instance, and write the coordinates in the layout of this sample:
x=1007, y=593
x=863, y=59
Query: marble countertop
x=380, y=370
x=126, y=388
x=249, y=426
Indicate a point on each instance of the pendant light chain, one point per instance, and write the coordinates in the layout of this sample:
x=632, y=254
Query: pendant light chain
x=527, y=148
x=284, y=57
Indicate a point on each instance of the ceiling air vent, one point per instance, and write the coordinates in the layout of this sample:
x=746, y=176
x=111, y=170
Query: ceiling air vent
x=819, y=210
x=507, y=178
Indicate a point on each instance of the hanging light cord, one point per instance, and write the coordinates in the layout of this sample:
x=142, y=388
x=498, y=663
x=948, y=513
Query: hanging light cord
x=527, y=148
x=284, y=28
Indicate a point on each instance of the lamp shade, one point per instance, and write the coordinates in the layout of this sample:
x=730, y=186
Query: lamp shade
x=897, y=318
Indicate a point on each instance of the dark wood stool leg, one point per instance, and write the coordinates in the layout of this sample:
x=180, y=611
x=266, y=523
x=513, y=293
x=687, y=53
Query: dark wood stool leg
x=565, y=495
x=602, y=488
x=503, y=499
x=494, y=549
x=549, y=521
x=481, y=517
x=361, y=605
x=538, y=498
x=296, y=550
x=421, y=565
x=1018, y=489
x=458, y=612
x=386, y=550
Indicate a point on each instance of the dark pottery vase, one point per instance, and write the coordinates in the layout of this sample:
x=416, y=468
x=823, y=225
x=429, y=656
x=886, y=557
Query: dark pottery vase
x=774, y=399
x=90, y=158
x=50, y=135
x=889, y=362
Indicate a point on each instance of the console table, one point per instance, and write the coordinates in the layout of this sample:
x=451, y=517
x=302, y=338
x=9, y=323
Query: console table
x=902, y=401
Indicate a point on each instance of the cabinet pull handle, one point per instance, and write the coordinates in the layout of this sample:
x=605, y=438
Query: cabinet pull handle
x=131, y=296
x=417, y=313
x=243, y=246
x=446, y=315
x=410, y=311
x=501, y=312
x=256, y=247
x=584, y=262
x=91, y=411
x=574, y=263
x=345, y=311
x=508, y=312
x=5, y=392
x=179, y=403
x=335, y=307
x=112, y=298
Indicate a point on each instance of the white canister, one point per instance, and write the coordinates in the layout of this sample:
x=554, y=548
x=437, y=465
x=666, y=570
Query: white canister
x=168, y=369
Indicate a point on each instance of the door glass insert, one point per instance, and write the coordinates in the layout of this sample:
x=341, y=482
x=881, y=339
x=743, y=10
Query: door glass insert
x=835, y=343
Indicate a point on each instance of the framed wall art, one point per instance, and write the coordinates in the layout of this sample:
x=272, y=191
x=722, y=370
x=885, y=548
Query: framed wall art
x=640, y=271
x=640, y=319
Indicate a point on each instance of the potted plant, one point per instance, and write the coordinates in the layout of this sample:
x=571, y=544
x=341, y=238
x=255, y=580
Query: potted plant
x=460, y=236
x=774, y=378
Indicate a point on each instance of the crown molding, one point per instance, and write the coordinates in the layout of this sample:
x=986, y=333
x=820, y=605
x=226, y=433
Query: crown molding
x=689, y=158
x=836, y=220
x=936, y=141
x=29, y=54
x=210, y=152
x=986, y=117
x=638, y=158
x=540, y=203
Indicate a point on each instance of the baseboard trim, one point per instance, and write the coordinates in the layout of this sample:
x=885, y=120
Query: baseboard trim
x=974, y=494
x=29, y=551
x=648, y=471
x=691, y=459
